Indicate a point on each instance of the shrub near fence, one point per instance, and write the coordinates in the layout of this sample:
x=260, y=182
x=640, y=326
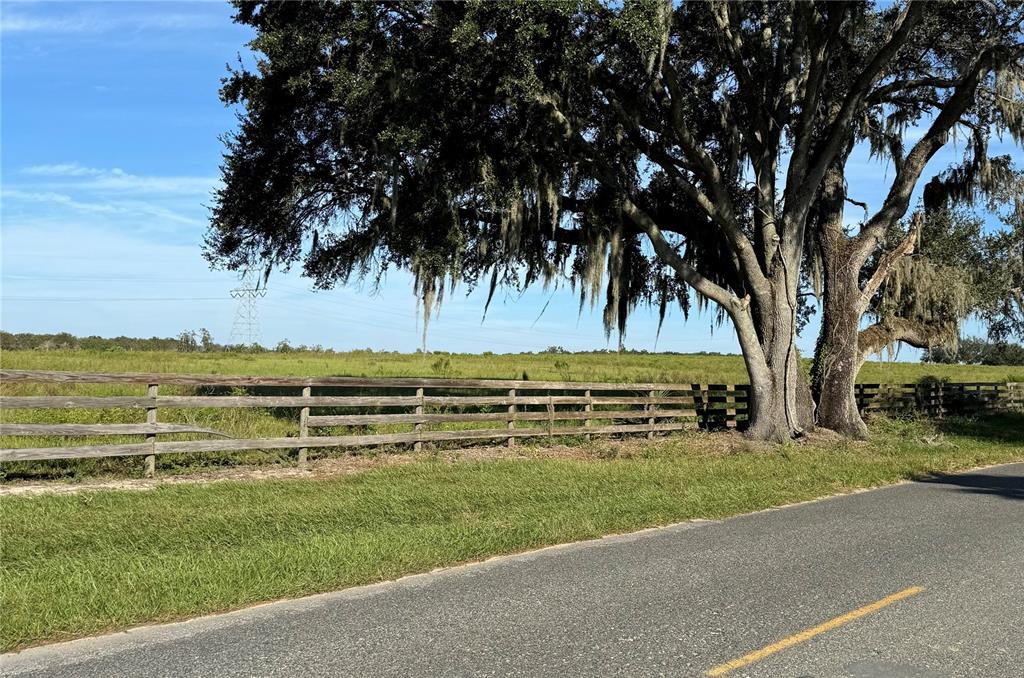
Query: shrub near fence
x=349, y=412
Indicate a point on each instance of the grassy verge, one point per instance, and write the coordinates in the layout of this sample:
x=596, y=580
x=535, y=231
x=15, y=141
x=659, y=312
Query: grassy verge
x=79, y=564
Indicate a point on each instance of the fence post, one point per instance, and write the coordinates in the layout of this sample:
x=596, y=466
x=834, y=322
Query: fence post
x=589, y=409
x=650, y=408
x=511, y=442
x=304, y=427
x=551, y=415
x=700, y=404
x=150, y=465
x=730, y=406
x=418, y=445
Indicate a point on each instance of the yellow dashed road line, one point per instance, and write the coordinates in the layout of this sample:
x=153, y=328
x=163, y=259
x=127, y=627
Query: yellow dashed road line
x=798, y=638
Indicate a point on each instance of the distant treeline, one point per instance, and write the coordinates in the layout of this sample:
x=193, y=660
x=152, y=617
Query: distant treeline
x=186, y=341
x=976, y=351
x=191, y=341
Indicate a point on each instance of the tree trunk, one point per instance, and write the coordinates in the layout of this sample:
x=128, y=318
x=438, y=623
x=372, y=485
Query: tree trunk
x=767, y=411
x=780, y=405
x=771, y=418
x=837, y=358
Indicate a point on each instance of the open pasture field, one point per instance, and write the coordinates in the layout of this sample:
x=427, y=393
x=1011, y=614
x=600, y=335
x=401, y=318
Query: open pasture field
x=613, y=367
x=281, y=423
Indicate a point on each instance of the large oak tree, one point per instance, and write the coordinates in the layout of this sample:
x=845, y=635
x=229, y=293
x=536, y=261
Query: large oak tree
x=959, y=76
x=642, y=152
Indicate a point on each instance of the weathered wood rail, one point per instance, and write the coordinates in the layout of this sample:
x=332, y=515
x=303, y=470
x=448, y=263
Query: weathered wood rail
x=425, y=409
x=937, y=399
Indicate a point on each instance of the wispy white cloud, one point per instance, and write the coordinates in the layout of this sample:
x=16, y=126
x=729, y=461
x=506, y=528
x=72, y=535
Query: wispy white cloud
x=53, y=198
x=139, y=204
x=117, y=180
x=126, y=208
x=122, y=182
x=67, y=169
x=20, y=21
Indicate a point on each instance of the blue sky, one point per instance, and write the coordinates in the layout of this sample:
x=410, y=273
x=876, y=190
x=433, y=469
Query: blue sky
x=110, y=151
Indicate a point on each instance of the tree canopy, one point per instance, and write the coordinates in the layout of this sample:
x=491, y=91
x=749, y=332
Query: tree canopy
x=641, y=153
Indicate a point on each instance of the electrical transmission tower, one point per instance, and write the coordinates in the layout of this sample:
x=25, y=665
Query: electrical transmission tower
x=246, y=328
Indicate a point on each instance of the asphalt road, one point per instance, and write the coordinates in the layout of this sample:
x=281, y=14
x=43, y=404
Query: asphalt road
x=811, y=583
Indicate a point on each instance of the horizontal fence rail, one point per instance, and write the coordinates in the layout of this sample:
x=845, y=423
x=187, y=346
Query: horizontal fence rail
x=344, y=412
x=936, y=399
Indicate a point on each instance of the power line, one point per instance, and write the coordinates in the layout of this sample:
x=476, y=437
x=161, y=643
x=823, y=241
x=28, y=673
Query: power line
x=246, y=328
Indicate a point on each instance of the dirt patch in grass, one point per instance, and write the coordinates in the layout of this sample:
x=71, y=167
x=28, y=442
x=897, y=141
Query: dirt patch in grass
x=323, y=467
x=327, y=467
x=700, y=443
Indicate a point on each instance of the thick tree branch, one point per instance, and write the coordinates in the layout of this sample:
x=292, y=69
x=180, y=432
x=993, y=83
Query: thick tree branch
x=737, y=309
x=802, y=181
x=727, y=21
x=888, y=260
x=729, y=301
x=816, y=72
x=704, y=164
x=909, y=172
x=915, y=333
x=739, y=243
x=883, y=92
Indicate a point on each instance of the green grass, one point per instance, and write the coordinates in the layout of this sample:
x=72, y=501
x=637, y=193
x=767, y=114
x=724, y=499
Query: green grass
x=634, y=367
x=262, y=423
x=80, y=564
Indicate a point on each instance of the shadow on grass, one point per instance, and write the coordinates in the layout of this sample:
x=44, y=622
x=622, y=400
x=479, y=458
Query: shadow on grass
x=1001, y=427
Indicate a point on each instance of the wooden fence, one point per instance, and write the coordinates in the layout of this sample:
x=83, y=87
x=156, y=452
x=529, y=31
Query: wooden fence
x=429, y=410
x=425, y=410
x=938, y=398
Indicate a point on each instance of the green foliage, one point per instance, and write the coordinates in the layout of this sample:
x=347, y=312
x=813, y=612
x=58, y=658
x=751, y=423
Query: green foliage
x=645, y=153
x=564, y=371
x=442, y=367
x=63, y=340
x=188, y=341
x=957, y=271
x=1001, y=284
x=206, y=343
x=975, y=351
x=494, y=142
